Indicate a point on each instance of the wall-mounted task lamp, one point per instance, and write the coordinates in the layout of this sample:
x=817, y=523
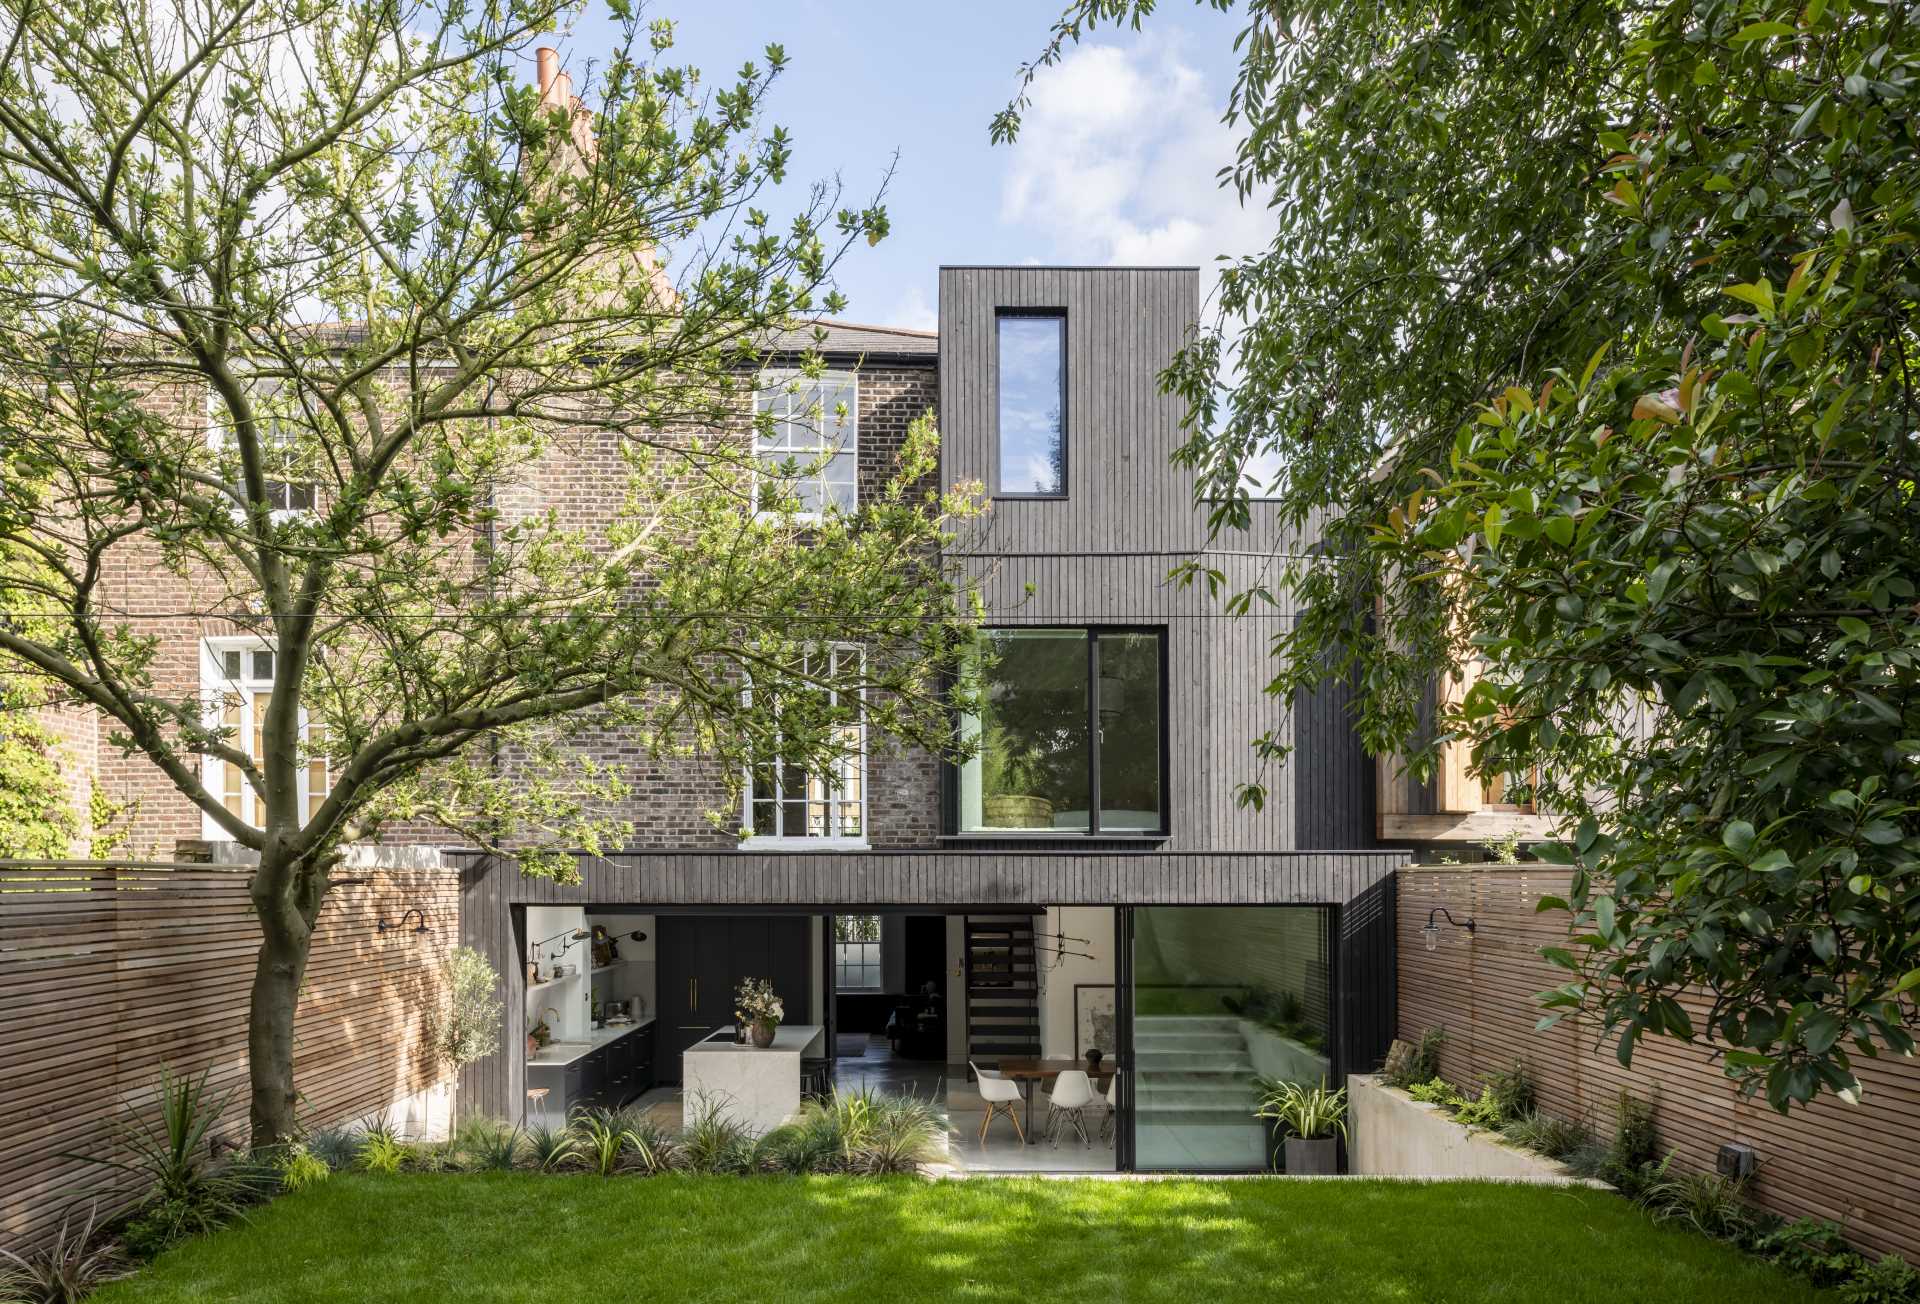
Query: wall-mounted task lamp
x=571, y=934
x=419, y=929
x=1432, y=931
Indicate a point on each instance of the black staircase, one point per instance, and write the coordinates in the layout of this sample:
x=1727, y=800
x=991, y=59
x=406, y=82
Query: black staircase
x=1003, y=989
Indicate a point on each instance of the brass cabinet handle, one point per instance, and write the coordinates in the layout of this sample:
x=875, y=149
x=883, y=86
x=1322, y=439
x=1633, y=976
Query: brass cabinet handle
x=693, y=993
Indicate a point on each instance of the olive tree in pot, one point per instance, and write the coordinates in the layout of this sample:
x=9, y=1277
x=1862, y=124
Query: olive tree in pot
x=1311, y=1121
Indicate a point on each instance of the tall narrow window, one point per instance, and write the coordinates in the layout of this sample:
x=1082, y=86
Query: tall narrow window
x=787, y=802
x=1033, y=405
x=807, y=439
x=237, y=686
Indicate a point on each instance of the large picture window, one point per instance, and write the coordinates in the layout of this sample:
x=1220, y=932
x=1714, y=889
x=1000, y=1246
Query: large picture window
x=807, y=439
x=1070, y=734
x=1033, y=405
x=787, y=803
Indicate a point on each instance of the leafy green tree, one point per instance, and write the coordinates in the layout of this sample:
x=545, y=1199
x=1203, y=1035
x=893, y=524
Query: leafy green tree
x=37, y=818
x=297, y=303
x=1589, y=328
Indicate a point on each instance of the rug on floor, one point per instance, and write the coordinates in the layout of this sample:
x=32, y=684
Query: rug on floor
x=850, y=1045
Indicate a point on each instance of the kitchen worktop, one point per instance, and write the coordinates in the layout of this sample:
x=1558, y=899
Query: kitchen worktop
x=558, y=1053
x=792, y=1037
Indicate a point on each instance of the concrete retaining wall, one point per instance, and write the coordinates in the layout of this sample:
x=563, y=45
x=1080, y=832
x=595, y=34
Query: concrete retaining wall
x=1390, y=1134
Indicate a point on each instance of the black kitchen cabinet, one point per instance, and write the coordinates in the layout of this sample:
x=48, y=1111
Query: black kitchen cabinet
x=701, y=959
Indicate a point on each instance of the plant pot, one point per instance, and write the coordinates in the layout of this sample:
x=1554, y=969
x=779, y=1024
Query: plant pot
x=1013, y=812
x=1093, y=1060
x=1319, y=1157
x=763, y=1034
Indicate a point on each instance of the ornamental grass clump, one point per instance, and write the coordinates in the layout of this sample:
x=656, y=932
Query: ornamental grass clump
x=70, y=1268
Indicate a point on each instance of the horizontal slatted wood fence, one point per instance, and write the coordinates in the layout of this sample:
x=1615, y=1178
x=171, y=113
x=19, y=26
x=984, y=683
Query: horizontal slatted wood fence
x=1856, y=1165
x=108, y=972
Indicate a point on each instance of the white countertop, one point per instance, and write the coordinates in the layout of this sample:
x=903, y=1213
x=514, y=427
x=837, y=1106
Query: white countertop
x=566, y=1052
x=793, y=1038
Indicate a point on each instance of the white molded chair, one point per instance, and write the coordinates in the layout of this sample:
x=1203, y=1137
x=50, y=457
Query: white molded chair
x=1002, y=1095
x=1113, y=1109
x=1067, y=1103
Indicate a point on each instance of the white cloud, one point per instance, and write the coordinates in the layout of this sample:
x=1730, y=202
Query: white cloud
x=912, y=310
x=1118, y=161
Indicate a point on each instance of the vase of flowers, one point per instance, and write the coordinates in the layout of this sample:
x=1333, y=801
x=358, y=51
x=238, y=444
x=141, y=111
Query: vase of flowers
x=758, y=1009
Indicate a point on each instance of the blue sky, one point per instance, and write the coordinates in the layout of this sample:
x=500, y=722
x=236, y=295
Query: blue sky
x=1115, y=164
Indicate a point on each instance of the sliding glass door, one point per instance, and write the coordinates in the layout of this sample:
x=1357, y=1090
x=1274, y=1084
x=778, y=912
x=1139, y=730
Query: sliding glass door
x=1222, y=997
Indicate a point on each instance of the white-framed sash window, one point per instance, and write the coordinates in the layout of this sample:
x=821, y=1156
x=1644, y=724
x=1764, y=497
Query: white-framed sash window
x=787, y=805
x=807, y=438
x=236, y=680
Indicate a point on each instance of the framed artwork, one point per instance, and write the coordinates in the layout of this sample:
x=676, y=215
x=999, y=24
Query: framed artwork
x=1095, y=1023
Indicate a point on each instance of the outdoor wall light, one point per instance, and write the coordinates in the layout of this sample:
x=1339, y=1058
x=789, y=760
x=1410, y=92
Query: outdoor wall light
x=1432, y=931
x=422, y=927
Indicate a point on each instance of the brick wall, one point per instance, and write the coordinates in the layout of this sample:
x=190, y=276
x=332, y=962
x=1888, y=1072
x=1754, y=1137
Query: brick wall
x=578, y=478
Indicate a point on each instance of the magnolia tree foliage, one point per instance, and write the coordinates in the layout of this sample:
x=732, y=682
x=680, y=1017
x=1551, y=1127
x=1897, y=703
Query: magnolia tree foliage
x=1590, y=330
x=250, y=244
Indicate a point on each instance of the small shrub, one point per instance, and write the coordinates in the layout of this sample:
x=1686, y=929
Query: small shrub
x=1810, y=1247
x=903, y=1135
x=602, y=1137
x=489, y=1145
x=1512, y=1092
x=1409, y=1064
x=1482, y=1111
x=1556, y=1138
x=68, y=1270
x=550, y=1149
x=301, y=1168
x=810, y=1144
x=1892, y=1280
x=1707, y=1202
x=714, y=1143
x=382, y=1152
x=652, y=1148
x=184, y=1190
x=336, y=1147
x=1435, y=1091
x=1306, y=1112
x=465, y=1025
x=1636, y=1142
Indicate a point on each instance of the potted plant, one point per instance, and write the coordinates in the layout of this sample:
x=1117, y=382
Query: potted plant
x=1013, y=765
x=758, y=1009
x=1312, y=1120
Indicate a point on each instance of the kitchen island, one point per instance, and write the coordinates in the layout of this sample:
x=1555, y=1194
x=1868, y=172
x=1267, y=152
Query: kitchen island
x=758, y=1088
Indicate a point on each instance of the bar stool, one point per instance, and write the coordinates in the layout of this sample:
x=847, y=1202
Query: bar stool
x=537, y=1099
x=816, y=1077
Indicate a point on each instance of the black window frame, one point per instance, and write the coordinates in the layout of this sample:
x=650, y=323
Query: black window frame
x=1066, y=442
x=950, y=773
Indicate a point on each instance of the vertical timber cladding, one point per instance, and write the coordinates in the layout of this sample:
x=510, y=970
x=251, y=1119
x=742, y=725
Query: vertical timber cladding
x=1103, y=554
x=1854, y=1164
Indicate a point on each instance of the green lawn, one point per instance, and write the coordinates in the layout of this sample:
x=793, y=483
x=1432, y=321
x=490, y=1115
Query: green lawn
x=524, y=1237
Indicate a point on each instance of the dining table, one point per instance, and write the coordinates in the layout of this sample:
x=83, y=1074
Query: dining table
x=1030, y=1072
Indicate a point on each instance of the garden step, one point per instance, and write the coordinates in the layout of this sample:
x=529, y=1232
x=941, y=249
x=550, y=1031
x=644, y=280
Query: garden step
x=1179, y=1066
x=1190, y=1042
x=1172, y=1116
x=1198, y=1095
